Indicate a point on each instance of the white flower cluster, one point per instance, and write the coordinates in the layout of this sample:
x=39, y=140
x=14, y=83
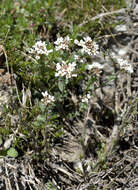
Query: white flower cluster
x=124, y=65
x=62, y=43
x=76, y=57
x=47, y=98
x=65, y=69
x=95, y=65
x=88, y=46
x=39, y=49
x=86, y=98
x=79, y=59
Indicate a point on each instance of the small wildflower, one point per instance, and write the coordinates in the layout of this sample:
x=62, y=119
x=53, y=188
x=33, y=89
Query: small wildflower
x=64, y=69
x=88, y=46
x=95, y=65
x=83, y=60
x=31, y=51
x=79, y=43
x=37, y=57
x=124, y=65
x=48, y=52
x=39, y=49
x=62, y=43
x=86, y=98
x=47, y=99
x=76, y=57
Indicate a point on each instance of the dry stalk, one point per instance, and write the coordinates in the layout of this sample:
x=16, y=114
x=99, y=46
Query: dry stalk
x=2, y=50
x=99, y=16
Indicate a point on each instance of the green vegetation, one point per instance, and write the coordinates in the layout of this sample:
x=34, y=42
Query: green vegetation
x=32, y=124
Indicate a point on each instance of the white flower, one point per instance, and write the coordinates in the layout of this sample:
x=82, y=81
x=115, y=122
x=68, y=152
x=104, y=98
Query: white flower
x=87, y=39
x=88, y=46
x=62, y=43
x=76, y=42
x=67, y=38
x=122, y=62
x=39, y=49
x=124, y=65
x=31, y=51
x=47, y=52
x=86, y=98
x=64, y=69
x=47, y=98
x=37, y=57
x=95, y=65
x=45, y=94
x=59, y=41
x=79, y=43
x=129, y=69
x=76, y=57
x=83, y=60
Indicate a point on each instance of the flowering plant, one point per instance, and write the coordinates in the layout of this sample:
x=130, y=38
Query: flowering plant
x=65, y=64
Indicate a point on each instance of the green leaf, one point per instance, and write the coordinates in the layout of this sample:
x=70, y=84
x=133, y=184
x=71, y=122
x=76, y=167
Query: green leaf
x=36, y=123
x=59, y=134
x=41, y=118
x=61, y=85
x=12, y=152
x=1, y=141
x=42, y=106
